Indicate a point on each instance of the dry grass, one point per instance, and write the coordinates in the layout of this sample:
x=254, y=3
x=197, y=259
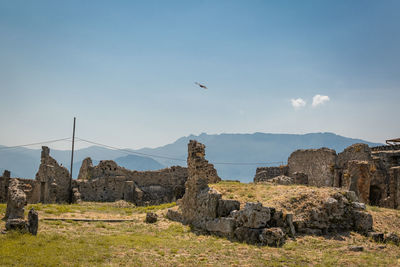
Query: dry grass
x=296, y=199
x=169, y=243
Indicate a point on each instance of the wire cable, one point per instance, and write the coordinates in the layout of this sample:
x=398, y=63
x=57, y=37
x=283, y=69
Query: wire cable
x=33, y=144
x=129, y=151
x=177, y=159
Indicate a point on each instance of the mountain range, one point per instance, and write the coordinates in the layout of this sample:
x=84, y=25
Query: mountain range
x=235, y=156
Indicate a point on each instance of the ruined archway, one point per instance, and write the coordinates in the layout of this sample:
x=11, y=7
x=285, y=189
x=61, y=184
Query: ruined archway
x=375, y=195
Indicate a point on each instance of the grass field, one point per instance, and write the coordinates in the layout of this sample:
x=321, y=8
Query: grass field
x=167, y=243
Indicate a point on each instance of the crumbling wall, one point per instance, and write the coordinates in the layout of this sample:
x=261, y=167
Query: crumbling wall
x=267, y=173
x=197, y=164
x=4, y=183
x=317, y=164
x=204, y=209
x=200, y=202
x=54, y=179
x=16, y=201
x=30, y=187
x=393, y=198
x=357, y=178
x=109, y=182
x=360, y=152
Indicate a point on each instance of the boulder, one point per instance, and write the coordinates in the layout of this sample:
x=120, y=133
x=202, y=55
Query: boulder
x=356, y=248
x=376, y=236
x=248, y=235
x=33, y=222
x=392, y=238
x=222, y=226
x=253, y=215
x=151, y=217
x=273, y=237
x=362, y=221
x=226, y=206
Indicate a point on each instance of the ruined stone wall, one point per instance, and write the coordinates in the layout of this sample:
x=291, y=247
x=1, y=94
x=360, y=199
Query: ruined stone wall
x=393, y=199
x=109, y=182
x=354, y=152
x=389, y=158
x=198, y=165
x=385, y=148
x=54, y=179
x=30, y=187
x=4, y=184
x=204, y=209
x=357, y=178
x=317, y=164
x=267, y=173
x=199, y=204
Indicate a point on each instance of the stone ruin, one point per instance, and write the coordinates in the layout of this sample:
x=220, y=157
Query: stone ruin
x=372, y=173
x=14, y=217
x=204, y=209
x=109, y=182
x=105, y=182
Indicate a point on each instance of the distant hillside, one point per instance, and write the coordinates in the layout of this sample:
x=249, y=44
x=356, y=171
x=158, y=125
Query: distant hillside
x=249, y=148
x=133, y=162
x=221, y=148
x=24, y=162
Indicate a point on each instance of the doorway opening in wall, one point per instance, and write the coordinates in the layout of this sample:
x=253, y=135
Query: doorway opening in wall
x=42, y=189
x=375, y=195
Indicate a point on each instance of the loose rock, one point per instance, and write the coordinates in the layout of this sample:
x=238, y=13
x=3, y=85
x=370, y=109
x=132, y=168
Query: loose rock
x=151, y=217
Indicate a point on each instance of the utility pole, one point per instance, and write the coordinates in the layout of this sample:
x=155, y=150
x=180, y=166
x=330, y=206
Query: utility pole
x=72, y=163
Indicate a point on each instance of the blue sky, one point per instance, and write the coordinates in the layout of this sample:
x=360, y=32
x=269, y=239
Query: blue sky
x=126, y=69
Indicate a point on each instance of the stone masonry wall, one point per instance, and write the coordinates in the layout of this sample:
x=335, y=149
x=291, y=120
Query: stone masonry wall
x=4, y=183
x=109, y=182
x=54, y=179
x=204, y=209
x=267, y=173
x=317, y=164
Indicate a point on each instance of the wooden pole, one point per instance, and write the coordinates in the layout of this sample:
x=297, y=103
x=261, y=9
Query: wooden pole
x=72, y=162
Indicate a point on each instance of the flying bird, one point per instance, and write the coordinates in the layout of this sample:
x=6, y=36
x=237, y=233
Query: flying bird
x=201, y=85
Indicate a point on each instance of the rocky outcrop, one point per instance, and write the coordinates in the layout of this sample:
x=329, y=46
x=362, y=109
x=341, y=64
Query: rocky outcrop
x=317, y=164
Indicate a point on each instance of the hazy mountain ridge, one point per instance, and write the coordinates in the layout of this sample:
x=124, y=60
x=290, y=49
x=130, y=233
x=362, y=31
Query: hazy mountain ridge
x=221, y=148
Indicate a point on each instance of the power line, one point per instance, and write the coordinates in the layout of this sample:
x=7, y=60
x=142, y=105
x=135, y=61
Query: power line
x=177, y=159
x=129, y=151
x=32, y=144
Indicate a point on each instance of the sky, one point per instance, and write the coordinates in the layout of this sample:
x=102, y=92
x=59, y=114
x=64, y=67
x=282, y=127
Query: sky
x=126, y=69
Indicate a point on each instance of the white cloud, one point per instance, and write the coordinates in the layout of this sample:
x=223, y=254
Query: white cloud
x=298, y=103
x=319, y=100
